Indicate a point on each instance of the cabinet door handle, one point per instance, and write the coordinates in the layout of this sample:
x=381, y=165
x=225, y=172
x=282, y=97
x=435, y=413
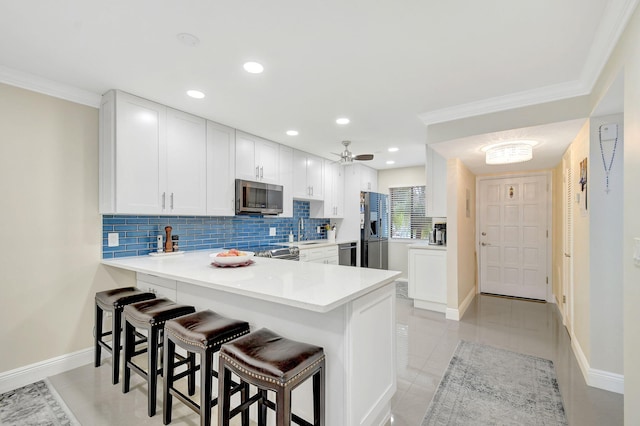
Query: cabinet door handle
x=312, y=191
x=164, y=196
x=172, y=201
x=257, y=172
x=261, y=174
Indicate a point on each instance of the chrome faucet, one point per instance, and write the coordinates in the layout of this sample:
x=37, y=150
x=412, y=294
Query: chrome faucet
x=300, y=227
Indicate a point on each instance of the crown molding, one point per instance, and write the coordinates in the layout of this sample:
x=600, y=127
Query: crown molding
x=503, y=103
x=613, y=23
x=48, y=87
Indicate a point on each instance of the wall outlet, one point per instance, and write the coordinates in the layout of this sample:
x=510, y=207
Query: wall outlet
x=272, y=232
x=113, y=239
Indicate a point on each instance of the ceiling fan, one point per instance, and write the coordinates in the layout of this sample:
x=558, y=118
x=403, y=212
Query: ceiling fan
x=346, y=157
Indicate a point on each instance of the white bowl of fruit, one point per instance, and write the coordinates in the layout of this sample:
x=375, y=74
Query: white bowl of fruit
x=231, y=257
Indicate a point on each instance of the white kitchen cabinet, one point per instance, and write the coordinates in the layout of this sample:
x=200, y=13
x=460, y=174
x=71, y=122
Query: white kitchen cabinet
x=307, y=176
x=333, y=190
x=326, y=254
x=368, y=178
x=221, y=158
x=161, y=287
x=152, y=158
x=256, y=158
x=436, y=188
x=428, y=278
x=186, y=192
x=286, y=180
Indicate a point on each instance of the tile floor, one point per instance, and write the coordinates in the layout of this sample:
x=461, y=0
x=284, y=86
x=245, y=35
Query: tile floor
x=426, y=342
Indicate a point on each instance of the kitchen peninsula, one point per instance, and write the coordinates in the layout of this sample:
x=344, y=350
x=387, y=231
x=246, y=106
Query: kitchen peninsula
x=348, y=311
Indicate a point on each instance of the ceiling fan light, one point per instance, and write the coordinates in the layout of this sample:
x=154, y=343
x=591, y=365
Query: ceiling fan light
x=509, y=153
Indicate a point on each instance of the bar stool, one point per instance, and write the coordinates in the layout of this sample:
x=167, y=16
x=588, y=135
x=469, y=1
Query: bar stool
x=202, y=333
x=149, y=315
x=114, y=301
x=271, y=363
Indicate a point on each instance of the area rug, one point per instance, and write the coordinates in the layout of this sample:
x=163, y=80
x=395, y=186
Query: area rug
x=34, y=404
x=484, y=385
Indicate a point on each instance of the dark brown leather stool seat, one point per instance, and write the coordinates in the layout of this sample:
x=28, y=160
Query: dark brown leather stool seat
x=202, y=333
x=271, y=362
x=151, y=316
x=114, y=301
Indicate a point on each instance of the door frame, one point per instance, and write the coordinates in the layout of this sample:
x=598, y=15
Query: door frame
x=549, y=175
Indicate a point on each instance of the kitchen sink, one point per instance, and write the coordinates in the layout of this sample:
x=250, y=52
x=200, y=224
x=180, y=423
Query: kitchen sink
x=308, y=243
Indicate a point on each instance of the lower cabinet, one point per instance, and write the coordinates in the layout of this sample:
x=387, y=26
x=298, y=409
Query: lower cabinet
x=327, y=255
x=428, y=278
x=161, y=287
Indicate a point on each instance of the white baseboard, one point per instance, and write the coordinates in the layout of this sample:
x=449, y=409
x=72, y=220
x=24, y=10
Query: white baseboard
x=612, y=382
x=22, y=376
x=456, y=314
x=431, y=306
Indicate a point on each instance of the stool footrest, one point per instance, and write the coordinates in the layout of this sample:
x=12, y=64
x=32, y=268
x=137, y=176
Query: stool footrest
x=186, y=400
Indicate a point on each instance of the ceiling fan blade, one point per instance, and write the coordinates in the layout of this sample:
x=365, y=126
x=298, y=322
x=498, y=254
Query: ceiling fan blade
x=363, y=157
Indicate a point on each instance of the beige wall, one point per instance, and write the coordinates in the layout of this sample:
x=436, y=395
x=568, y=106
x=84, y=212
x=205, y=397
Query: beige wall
x=50, y=227
x=580, y=254
x=626, y=58
x=461, y=237
x=407, y=176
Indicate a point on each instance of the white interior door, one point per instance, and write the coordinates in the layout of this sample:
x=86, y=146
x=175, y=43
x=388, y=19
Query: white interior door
x=513, y=236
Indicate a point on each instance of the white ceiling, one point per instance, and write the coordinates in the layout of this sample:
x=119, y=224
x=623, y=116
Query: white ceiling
x=391, y=67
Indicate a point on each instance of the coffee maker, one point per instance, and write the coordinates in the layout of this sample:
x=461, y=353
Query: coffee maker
x=438, y=235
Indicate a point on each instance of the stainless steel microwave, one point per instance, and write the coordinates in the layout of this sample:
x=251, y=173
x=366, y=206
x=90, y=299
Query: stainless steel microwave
x=258, y=198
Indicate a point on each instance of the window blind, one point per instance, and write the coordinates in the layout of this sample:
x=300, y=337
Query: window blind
x=407, y=209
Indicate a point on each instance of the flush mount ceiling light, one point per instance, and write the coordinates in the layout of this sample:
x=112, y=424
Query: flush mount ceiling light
x=391, y=162
x=196, y=94
x=292, y=132
x=509, y=152
x=343, y=120
x=393, y=149
x=253, y=67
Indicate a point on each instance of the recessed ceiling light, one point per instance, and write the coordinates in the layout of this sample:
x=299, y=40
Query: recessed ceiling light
x=343, y=120
x=253, y=67
x=196, y=94
x=393, y=149
x=292, y=132
x=188, y=39
x=391, y=162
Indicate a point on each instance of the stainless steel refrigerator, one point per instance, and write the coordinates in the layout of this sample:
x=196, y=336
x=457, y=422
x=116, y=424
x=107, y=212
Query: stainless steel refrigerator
x=374, y=230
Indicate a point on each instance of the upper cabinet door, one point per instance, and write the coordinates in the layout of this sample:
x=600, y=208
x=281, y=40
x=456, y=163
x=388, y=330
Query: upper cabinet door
x=267, y=159
x=308, y=176
x=333, y=190
x=286, y=180
x=256, y=158
x=139, y=144
x=186, y=164
x=368, y=178
x=221, y=155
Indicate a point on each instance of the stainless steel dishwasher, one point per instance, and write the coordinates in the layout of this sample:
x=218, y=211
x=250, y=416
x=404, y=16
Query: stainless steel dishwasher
x=347, y=253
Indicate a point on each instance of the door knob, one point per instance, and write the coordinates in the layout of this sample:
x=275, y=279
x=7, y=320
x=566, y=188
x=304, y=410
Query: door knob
x=485, y=244
x=484, y=234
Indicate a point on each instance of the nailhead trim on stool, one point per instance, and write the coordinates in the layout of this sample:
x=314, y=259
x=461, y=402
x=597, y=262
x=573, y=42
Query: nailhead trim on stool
x=151, y=316
x=114, y=301
x=202, y=333
x=271, y=363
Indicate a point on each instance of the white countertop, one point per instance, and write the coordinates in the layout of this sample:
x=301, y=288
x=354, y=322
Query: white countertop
x=427, y=246
x=312, y=286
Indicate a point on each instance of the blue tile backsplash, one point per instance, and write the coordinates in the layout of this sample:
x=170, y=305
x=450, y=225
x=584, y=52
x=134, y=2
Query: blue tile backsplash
x=138, y=233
